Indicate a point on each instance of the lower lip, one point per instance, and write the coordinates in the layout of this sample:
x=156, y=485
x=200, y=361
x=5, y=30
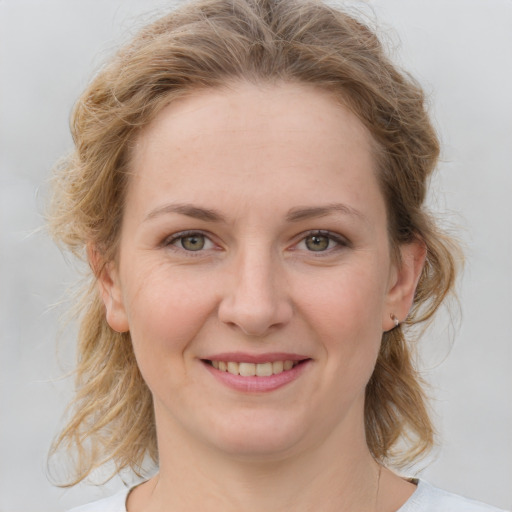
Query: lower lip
x=258, y=384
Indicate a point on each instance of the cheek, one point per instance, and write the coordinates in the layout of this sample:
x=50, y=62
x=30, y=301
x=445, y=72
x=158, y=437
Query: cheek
x=345, y=313
x=350, y=300
x=166, y=311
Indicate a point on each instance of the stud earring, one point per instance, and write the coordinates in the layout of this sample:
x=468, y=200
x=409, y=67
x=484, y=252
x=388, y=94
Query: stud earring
x=395, y=320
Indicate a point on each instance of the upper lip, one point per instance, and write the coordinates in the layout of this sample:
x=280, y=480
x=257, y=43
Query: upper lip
x=269, y=357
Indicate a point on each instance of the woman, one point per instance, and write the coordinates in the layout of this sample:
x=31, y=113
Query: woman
x=248, y=188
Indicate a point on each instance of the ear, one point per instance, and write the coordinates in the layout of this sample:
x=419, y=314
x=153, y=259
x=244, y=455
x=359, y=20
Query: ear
x=404, y=280
x=110, y=290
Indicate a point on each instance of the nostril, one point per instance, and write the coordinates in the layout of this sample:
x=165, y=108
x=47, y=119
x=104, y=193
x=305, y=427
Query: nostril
x=254, y=300
x=255, y=321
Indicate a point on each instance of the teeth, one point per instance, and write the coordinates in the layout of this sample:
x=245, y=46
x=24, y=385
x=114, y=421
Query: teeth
x=246, y=369
x=253, y=369
x=264, y=370
x=233, y=368
x=277, y=367
x=288, y=365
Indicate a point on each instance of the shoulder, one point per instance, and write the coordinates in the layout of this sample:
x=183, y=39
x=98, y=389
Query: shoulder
x=428, y=498
x=115, y=503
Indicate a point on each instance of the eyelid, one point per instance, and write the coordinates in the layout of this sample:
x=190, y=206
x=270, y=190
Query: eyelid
x=168, y=242
x=340, y=240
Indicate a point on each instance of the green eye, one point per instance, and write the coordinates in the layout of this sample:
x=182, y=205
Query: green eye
x=317, y=242
x=189, y=242
x=193, y=242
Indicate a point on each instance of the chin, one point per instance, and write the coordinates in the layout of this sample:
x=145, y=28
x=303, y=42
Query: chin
x=258, y=436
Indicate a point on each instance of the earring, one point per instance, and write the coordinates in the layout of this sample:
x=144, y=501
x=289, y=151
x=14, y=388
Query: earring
x=395, y=319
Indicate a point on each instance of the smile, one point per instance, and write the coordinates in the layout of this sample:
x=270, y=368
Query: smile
x=254, y=369
x=256, y=373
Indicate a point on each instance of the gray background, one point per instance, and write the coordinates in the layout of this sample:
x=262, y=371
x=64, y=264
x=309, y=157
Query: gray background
x=461, y=52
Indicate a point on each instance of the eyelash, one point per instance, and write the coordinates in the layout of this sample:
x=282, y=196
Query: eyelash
x=171, y=240
x=341, y=241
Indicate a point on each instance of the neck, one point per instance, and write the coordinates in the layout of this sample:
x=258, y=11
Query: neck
x=333, y=476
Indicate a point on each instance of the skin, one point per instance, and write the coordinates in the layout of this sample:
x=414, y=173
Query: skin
x=255, y=156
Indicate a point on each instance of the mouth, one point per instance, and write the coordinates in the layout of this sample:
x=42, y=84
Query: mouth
x=257, y=374
x=247, y=369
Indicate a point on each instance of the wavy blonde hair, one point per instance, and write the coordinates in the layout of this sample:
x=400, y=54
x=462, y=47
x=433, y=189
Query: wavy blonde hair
x=207, y=44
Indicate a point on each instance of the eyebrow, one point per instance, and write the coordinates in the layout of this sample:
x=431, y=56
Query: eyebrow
x=189, y=210
x=294, y=215
x=303, y=213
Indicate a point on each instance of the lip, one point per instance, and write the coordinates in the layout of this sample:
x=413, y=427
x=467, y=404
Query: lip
x=257, y=384
x=242, y=357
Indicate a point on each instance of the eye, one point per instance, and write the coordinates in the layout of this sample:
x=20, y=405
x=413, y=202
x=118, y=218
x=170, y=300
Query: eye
x=190, y=241
x=321, y=241
x=317, y=242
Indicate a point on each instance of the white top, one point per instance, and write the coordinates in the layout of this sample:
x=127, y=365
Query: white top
x=426, y=498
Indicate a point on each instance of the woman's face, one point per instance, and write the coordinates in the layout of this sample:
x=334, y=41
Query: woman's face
x=254, y=240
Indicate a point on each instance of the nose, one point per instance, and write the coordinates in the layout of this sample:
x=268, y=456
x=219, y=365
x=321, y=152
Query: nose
x=256, y=299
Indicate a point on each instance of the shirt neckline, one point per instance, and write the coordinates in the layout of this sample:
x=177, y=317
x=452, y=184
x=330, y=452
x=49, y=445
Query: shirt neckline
x=421, y=486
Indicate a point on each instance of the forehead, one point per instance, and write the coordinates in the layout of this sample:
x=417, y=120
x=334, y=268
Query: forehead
x=288, y=139
x=240, y=106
